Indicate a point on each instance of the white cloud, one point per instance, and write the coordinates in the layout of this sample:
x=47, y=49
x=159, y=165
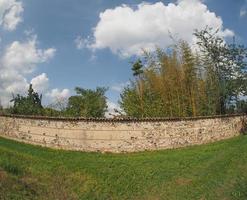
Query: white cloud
x=126, y=30
x=40, y=83
x=10, y=14
x=18, y=60
x=24, y=56
x=112, y=107
x=56, y=94
x=81, y=42
x=243, y=10
x=47, y=54
x=119, y=87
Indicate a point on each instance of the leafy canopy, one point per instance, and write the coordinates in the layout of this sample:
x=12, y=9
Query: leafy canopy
x=179, y=82
x=27, y=105
x=88, y=103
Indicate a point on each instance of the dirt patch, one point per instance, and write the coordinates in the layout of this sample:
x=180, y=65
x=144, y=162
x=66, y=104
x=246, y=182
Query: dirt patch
x=3, y=175
x=183, y=181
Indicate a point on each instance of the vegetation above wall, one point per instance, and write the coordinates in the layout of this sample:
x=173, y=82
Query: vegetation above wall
x=210, y=79
x=87, y=103
x=181, y=81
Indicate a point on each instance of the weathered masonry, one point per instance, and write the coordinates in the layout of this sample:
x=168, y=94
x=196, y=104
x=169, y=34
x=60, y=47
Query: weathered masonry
x=120, y=135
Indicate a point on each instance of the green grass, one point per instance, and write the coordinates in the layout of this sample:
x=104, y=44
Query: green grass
x=214, y=171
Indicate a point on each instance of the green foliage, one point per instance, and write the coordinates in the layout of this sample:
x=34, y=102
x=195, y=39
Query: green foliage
x=180, y=83
x=137, y=68
x=149, y=105
x=225, y=68
x=57, y=109
x=52, y=112
x=169, y=86
x=242, y=106
x=29, y=105
x=1, y=108
x=87, y=103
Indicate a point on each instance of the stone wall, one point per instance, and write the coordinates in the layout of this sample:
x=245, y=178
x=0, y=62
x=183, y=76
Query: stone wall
x=120, y=135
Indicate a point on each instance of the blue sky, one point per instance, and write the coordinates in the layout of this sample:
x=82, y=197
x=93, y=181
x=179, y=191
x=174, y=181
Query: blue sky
x=73, y=46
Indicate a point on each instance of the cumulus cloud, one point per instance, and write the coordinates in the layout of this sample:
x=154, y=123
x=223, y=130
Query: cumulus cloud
x=126, y=31
x=10, y=14
x=243, y=10
x=82, y=42
x=18, y=60
x=112, y=107
x=24, y=56
x=57, y=95
x=40, y=83
x=119, y=87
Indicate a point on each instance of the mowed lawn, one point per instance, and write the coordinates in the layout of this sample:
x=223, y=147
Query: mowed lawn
x=214, y=171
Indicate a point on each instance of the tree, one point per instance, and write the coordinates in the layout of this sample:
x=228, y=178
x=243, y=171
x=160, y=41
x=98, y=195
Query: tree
x=57, y=108
x=27, y=105
x=242, y=106
x=130, y=102
x=190, y=78
x=1, y=108
x=167, y=86
x=87, y=103
x=137, y=68
x=225, y=69
x=179, y=82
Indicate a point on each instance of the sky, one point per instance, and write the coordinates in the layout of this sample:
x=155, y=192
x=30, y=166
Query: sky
x=59, y=44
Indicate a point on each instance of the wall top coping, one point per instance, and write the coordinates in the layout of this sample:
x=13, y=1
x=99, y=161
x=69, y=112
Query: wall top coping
x=123, y=119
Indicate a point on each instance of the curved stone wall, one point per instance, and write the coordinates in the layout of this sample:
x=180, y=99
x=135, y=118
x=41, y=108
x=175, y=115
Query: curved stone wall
x=120, y=135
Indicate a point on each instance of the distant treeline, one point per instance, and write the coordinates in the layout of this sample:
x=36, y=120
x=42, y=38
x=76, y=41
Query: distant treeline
x=210, y=79
x=86, y=103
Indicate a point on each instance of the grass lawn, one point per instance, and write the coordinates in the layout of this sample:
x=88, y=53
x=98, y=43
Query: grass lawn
x=214, y=171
